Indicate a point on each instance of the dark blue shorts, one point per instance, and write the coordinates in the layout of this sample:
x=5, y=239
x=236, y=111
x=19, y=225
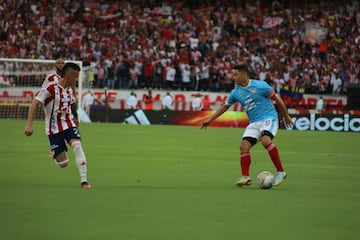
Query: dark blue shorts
x=57, y=141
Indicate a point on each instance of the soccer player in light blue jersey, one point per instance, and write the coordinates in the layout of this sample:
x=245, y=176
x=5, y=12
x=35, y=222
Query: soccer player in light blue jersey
x=257, y=99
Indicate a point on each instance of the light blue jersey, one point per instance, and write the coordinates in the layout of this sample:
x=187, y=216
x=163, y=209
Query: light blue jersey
x=255, y=100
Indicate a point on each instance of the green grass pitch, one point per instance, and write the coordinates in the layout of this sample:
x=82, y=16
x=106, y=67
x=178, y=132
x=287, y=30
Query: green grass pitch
x=175, y=182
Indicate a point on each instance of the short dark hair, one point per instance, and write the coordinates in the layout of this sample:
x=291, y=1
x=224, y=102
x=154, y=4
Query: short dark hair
x=67, y=66
x=241, y=68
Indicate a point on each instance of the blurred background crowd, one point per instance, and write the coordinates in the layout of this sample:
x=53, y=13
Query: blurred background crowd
x=191, y=45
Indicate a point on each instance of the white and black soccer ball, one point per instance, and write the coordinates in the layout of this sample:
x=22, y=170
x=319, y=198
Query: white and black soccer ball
x=265, y=180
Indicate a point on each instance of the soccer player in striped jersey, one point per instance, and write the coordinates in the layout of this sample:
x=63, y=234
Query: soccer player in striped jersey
x=257, y=99
x=54, y=77
x=59, y=103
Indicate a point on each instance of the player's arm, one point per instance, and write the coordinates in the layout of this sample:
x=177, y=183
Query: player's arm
x=74, y=112
x=282, y=110
x=223, y=108
x=32, y=110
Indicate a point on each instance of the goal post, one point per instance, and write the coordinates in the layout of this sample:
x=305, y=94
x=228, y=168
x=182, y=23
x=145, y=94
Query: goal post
x=21, y=79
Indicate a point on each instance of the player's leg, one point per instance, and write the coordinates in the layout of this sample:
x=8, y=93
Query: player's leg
x=249, y=139
x=74, y=139
x=245, y=157
x=268, y=132
x=80, y=161
x=58, y=150
x=62, y=160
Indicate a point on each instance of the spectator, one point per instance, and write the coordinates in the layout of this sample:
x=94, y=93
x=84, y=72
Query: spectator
x=100, y=75
x=167, y=101
x=170, y=76
x=206, y=103
x=275, y=40
x=185, y=76
x=149, y=100
x=195, y=75
x=204, y=75
x=148, y=73
x=88, y=100
x=196, y=102
x=336, y=83
x=158, y=76
x=320, y=105
x=131, y=101
x=110, y=74
x=134, y=77
x=122, y=74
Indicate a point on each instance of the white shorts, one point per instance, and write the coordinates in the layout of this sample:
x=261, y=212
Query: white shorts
x=255, y=130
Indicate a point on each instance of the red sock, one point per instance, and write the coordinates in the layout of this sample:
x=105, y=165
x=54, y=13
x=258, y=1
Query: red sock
x=245, y=160
x=274, y=155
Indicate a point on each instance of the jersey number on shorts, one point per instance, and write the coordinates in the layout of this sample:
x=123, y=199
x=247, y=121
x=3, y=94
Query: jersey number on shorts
x=76, y=132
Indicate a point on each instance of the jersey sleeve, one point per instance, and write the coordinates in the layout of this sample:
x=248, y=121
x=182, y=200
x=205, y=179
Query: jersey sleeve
x=272, y=93
x=231, y=99
x=50, y=79
x=266, y=89
x=43, y=94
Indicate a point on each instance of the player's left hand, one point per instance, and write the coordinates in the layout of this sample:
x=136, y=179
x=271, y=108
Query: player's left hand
x=76, y=121
x=28, y=131
x=289, y=124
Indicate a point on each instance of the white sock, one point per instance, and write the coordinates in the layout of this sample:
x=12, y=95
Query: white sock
x=80, y=160
x=63, y=163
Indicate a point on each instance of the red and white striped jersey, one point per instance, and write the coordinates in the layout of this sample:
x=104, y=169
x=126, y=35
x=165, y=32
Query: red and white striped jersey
x=57, y=102
x=53, y=77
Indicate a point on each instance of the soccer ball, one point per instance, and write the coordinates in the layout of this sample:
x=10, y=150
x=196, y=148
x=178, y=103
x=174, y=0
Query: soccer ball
x=265, y=180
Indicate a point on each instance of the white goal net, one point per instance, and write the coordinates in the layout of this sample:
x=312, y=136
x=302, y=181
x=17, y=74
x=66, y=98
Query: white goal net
x=21, y=80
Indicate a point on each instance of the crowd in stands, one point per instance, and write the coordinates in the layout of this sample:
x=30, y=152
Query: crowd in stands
x=192, y=45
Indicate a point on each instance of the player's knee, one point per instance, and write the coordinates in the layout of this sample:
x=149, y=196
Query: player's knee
x=244, y=148
x=247, y=143
x=248, y=140
x=63, y=164
x=267, y=133
x=79, y=152
x=76, y=145
x=266, y=138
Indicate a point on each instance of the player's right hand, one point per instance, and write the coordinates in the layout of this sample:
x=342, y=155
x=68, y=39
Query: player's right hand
x=205, y=125
x=28, y=131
